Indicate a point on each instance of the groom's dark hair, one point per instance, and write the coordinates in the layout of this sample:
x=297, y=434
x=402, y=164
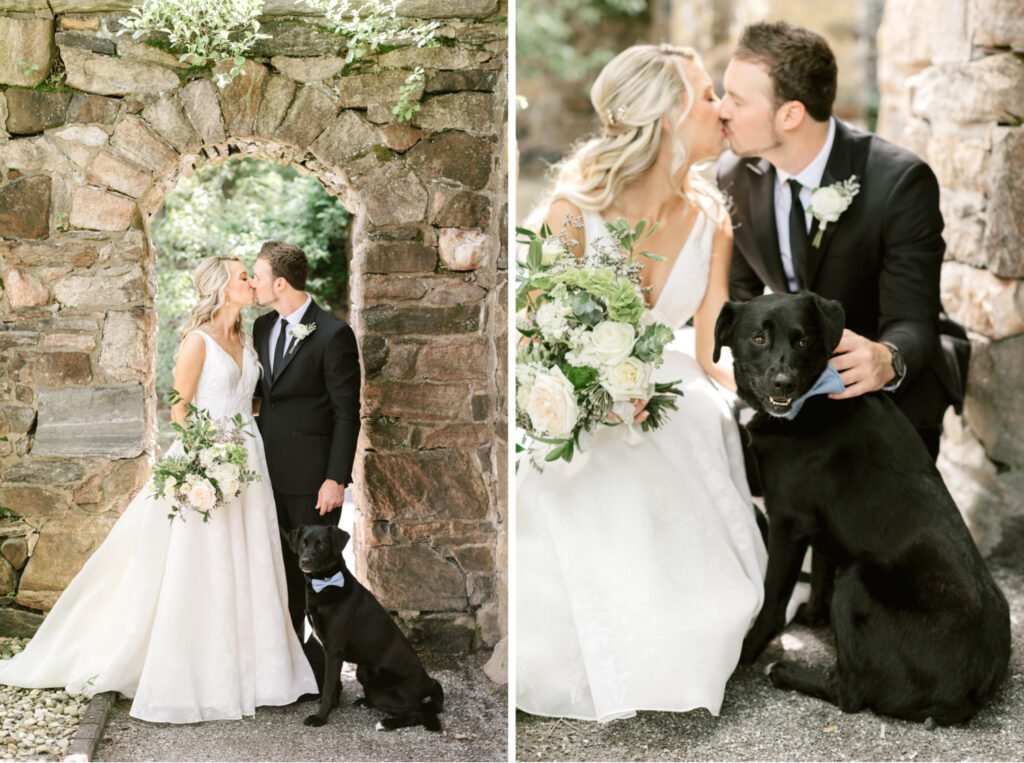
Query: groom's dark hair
x=799, y=61
x=286, y=261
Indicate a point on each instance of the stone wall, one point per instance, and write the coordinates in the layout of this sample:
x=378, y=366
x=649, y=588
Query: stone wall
x=952, y=82
x=86, y=159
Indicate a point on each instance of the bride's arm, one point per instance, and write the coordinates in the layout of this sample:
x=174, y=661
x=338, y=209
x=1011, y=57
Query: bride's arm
x=187, y=367
x=715, y=296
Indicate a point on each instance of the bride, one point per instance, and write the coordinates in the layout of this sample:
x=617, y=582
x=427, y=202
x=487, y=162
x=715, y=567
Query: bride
x=640, y=567
x=190, y=619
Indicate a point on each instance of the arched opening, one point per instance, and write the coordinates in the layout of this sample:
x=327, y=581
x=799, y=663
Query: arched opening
x=230, y=209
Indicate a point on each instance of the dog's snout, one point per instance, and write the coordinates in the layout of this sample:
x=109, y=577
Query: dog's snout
x=783, y=384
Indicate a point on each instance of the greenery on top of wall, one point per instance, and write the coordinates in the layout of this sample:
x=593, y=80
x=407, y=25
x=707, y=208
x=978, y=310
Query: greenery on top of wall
x=207, y=32
x=202, y=31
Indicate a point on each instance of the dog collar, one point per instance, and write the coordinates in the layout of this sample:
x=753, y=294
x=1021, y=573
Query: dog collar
x=319, y=584
x=830, y=382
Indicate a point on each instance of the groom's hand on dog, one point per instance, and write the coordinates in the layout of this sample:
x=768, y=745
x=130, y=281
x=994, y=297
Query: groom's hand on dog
x=330, y=497
x=864, y=366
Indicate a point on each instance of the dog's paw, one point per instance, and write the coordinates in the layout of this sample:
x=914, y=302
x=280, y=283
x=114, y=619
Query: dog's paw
x=380, y=726
x=314, y=720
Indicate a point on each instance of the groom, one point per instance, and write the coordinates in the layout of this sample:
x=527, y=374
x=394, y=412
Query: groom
x=309, y=409
x=880, y=259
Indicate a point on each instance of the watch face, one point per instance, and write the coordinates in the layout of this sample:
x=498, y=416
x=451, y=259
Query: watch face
x=898, y=364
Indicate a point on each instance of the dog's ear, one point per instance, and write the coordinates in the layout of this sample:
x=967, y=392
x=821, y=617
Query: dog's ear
x=295, y=537
x=723, y=328
x=339, y=539
x=831, y=320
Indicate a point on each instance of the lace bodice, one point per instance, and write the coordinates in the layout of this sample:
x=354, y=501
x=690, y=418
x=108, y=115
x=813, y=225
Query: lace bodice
x=224, y=389
x=687, y=280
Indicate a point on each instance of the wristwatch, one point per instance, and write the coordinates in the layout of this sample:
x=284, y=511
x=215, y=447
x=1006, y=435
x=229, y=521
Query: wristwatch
x=899, y=365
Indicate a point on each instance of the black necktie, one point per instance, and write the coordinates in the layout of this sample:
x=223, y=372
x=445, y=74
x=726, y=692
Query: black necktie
x=797, y=233
x=282, y=337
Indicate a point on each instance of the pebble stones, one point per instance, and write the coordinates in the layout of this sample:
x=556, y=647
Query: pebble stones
x=36, y=724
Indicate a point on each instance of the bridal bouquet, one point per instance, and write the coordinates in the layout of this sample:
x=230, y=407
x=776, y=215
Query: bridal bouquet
x=212, y=469
x=589, y=344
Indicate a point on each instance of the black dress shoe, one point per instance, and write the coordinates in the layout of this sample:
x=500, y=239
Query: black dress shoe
x=308, y=697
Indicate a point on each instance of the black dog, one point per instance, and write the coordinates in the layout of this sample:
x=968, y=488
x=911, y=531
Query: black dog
x=352, y=626
x=921, y=629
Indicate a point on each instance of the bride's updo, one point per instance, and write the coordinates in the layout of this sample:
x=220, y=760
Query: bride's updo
x=211, y=280
x=631, y=95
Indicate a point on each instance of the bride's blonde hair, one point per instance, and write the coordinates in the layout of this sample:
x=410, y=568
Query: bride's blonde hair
x=211, y=280
x=631, y=95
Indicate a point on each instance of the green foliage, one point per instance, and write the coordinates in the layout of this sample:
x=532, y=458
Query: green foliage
x=231, y=209
x=406, y=107
x=202, y=31
x=548, y=36
x=368, y=25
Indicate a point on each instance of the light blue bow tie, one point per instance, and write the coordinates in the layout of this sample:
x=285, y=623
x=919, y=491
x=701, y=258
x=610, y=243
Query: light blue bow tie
x=336, y=579
x=828, y=383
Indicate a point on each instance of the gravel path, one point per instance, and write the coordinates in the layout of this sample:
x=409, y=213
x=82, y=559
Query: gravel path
x=759, y=722
x=475, y=723
x=35, y=724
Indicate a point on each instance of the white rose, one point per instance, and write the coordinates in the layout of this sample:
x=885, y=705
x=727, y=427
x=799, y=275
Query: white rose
x=169, y=484
x=202, y=495
x=627, y=380
x=226, y=471
x=828, y=203
x=551, y=404
x=550, y=250
x=552, y=319
x=230, y=488
x=607, y=345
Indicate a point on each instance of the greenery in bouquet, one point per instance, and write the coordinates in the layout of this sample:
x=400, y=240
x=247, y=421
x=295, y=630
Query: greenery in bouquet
x=211, y=470
x=589, y=345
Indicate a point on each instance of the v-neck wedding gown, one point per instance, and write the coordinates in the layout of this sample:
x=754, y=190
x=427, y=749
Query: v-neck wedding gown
x=190, y=619
x=640, y=567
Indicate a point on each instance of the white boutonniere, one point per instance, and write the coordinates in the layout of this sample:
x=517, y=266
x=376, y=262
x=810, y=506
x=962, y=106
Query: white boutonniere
x=298, y=332
x=829, y=202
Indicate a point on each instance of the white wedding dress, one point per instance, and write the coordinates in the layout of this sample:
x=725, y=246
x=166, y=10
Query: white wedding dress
x=640, y=567
x=190, y=619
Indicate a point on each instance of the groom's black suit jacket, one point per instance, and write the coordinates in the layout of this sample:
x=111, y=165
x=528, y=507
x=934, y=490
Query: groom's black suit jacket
x=309, y=414
x=881, y=260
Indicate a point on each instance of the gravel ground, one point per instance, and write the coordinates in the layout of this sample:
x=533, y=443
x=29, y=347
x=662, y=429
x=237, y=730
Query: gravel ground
x=475, y=723
x=37, y=724
x=759, y=722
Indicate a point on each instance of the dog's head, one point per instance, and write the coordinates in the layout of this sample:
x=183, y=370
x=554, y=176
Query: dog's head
x=780, y=345
x=318, y=547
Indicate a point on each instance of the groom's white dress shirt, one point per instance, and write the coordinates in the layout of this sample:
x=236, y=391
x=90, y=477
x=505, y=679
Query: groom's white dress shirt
x=291, y=319
x=810, y=178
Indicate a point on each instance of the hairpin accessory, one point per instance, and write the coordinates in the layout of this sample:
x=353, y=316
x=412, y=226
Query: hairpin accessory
x=619, y=113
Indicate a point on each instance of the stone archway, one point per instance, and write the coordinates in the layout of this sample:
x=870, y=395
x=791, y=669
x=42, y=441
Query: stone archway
x=82, y=174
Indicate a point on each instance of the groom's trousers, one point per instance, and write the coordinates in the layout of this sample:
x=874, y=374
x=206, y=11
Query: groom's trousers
x=294, y=511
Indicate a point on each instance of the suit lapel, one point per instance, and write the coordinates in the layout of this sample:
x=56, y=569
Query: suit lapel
x=838, y=168
x=289, y=355
x=762, y=220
